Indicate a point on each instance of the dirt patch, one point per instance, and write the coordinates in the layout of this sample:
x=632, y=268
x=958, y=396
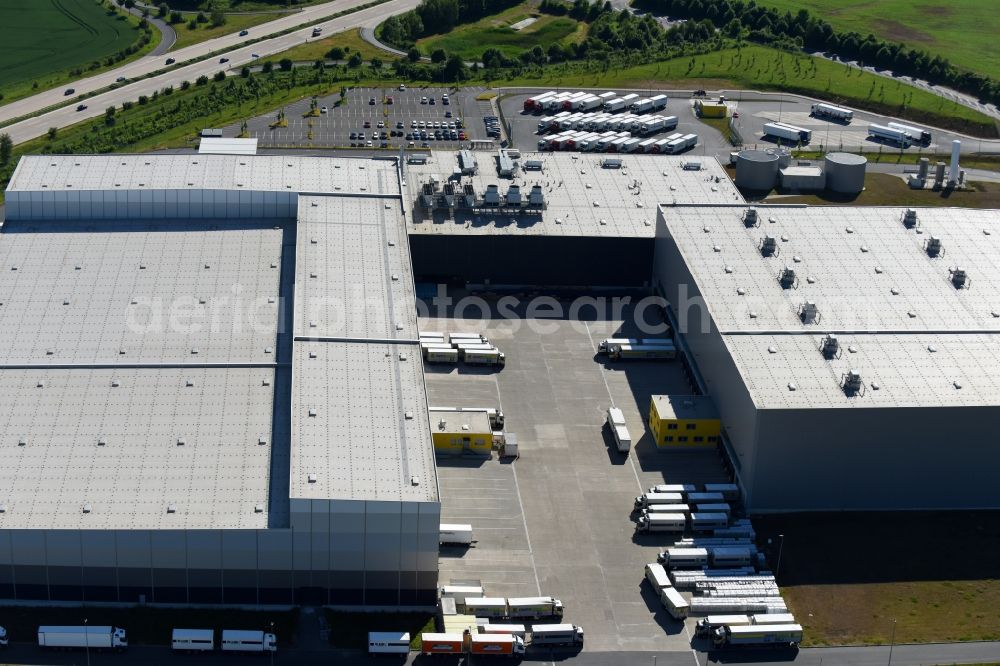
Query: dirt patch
x=898, y=32
x=679, y=84
x=937, y=11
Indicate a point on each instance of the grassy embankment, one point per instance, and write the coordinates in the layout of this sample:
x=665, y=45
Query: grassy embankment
x=204, y=31
x=44, y=41
x=349, y=40
x=963, y=31
x=849, y=577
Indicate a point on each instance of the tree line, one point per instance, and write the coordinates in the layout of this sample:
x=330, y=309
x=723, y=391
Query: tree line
x=811, y=33
x=434, y=17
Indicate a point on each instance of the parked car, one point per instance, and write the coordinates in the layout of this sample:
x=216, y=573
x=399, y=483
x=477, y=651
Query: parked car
x=324, y=110
x=423, y=100
x=368, y=123
x=371, y=101
x=402, y=87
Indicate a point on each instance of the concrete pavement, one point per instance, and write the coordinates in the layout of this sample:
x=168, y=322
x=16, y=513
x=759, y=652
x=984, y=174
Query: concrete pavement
x=238, y=55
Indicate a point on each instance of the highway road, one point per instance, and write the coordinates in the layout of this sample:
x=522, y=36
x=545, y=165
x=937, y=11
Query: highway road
x=232, y=44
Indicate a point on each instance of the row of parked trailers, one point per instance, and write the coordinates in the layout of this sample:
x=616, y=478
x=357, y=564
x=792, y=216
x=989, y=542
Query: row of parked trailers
x=553, y=101
x=617, y=142
x=602, y=122
x=471, y=348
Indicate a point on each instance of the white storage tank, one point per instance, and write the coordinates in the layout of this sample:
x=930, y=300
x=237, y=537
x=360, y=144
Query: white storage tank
x=756, y=170
x=845, y=173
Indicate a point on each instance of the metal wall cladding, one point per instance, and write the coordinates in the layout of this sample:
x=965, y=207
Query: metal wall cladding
x=343, y=552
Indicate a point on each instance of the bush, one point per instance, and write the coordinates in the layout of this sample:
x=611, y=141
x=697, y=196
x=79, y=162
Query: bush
x=201, y=18
x=201, y=80
x=336, y=53
x=192, y=25
x=185, y=85
x=143, y=100
x=176, y=17
x=438, y=56
x=219, y=76
x=163, y=10
x=285, y=64
x=268, y=67
x=355, y=61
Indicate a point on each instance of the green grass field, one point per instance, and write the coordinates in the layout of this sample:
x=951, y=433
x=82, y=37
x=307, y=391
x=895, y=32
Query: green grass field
x=317, y=49
x=763, y=68
x=470, y=40
x=963, y=31
x=44, y=39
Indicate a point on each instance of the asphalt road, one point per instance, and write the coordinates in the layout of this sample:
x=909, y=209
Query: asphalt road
x=238, y=55
x=169, y=35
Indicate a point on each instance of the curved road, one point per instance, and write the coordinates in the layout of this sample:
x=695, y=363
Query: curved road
x=231, y=44
x=168, y=36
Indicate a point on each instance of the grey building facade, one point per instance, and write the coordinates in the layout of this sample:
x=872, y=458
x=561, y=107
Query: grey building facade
x=912, y=431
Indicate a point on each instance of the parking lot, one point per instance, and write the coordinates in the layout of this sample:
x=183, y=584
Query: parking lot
x=556, y=522
x=334, y=128
x=524, y=126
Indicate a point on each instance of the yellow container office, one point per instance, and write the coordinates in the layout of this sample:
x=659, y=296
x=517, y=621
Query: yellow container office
x=458, y=431
x=684, y=422
x=710, y=109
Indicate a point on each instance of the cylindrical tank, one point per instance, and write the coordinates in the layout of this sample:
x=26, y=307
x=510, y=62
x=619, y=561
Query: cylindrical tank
x=845, y=173
x=924, y=168
x=756, y=170
x=939, y=173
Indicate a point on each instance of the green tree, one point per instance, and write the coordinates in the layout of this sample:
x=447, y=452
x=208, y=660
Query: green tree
x=218, y=18
x=201, y=80
x=285, y=64
x=201, y=18
x=53, y=131
x=268, y=67
x=192, y=24
x=355, y=60
x=336, y=53
x=376, y=63
x=109, y=116
x=176, y=17
x=438, y=56
x=219, y=76
x=6, y=148
x=162, y=10
x=413, y=55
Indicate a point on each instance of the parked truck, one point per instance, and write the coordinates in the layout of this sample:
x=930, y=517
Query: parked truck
x=534, y=607
x=513, y=629
x=604, y=346
x=728, y=557
x=648, y=499
x=684, y=558
x=758, y=635
x=788, y=132
x=675, y=603
x=484, y=357
x=686, y=142
x=892, y=135
x=706, y=497
x=661, y=522
x=730, y=491
x=830, y=111
x=238, y=640
x=84, y=637
x=556, y=634
x=192, y=640
x=616, y=104
x=616, y=421
x=641, y=105
x=657, y=576
x=664, y=352
x=435, y=643
x=707, y=625
x=388, y=642
x=706, y=522
x=457, y=534
x=659, y=102
x=461, y=592
x=534, y=102
x=673, y=488
x=507, y=645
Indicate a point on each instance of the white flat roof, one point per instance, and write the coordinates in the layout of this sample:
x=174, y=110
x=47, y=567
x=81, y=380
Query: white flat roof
x=227, y=146
x=913, y=337
x=583, y=199
x=269, y=173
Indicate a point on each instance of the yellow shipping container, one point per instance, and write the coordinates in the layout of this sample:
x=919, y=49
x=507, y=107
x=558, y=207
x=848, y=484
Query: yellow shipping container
x=711, y=109
x=684, y=421
x=455, y=432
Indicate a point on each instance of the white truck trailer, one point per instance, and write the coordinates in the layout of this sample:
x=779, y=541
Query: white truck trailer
x=647, y=146
x=720, y=507
x=388, y=642
x=657, y=124
x=641, y=105
x=605, y=346
x=630, y=98
x=684, y=558
x=673, y=488
x=457, y=534
x=758, y=635
x=556, y=634
x=707, y=625
x=616, y=421
x=534, y=607
x=788, y=132
x=733, y=556
x=706, y=522
x=534, y=102
x=648, y=499
x=588, y=103
x=616, y=104
x=662, y=352
x=518, y=630
x=773, y=618
x=666, y=508
x=83, y=637
x=675, y=603
x=460, y=593
x=883, y=133
x=659, y=102
x=825, y=110
x=661, y=522
x=238, y=640
x=916, y=134
x=630, y=146
x=684, y=143
x=730, y=491
x=657, y=576
x=492, y=358
x=192, y=640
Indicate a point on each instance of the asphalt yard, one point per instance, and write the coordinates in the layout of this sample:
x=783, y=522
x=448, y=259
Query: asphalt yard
x=556, y=521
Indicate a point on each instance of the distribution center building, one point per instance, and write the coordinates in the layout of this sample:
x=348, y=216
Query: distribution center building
x=852, y=352
x=210, y=385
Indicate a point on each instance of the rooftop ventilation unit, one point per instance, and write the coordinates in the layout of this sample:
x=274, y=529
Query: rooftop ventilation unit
x=808, y=313
x=611, y=163
x=514, y=195
x=750, y=218
x=787, y=278
x=769, y=246
x=536, y=198
x=830, y=347
x=910, y=219
x=492, y=196
x=959, y=278
x=934, y=247
x=852, y=384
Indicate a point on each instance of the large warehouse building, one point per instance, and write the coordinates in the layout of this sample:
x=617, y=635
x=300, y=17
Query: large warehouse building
x=594, y=226
x=852, y=352
x=210, y=389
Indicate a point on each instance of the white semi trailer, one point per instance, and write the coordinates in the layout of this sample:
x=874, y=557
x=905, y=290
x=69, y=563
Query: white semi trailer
x=883, y=133
x=788, y=132
x=916, y=134
x=758, y=635
x=616, y=421
x=83, y=637
x=192, y=640
x=661, y=522
x=237, y=640
x=830, y=111
x=457, y=534
x=556, y=634
x=648, y=499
